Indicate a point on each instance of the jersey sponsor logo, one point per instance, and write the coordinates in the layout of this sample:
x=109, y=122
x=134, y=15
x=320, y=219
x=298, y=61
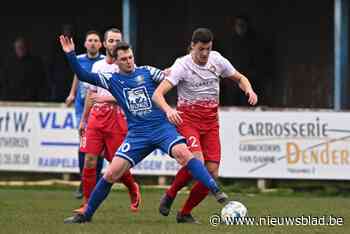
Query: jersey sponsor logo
x=204, y=83
x=138, y=100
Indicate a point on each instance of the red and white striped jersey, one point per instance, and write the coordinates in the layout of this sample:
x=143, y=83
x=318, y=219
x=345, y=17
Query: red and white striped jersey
x=199, y=85
x=102, y=66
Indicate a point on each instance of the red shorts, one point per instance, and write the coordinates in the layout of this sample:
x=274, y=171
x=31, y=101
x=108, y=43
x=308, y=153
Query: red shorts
x=201, y=128
x=105, y=131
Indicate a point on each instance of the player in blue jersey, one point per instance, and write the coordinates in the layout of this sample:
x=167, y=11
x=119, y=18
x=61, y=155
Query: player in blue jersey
x=148, y=127
x=78, y=92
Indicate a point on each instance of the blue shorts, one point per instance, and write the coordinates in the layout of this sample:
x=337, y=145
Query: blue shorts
x=137, y=145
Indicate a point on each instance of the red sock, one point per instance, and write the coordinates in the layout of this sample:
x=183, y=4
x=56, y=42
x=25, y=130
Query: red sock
x=182, y=177
x=89, y=181
x=197, y=194
x=128, y=180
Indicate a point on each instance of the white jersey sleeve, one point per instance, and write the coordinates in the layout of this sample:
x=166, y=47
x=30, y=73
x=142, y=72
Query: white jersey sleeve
x=177, y=73
x=227, y=68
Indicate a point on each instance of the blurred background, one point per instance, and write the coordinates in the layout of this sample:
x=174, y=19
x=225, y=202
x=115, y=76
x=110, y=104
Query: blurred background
x=287, y=52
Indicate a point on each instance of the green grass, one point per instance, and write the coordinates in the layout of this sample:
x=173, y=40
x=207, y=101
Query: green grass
x=42, y=210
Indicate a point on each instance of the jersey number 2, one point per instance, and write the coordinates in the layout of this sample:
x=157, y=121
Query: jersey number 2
x=192, y=140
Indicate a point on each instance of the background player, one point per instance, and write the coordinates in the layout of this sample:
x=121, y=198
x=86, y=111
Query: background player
x=197, y=77
x=148, y=127
x=106, y=126
x=78, y=92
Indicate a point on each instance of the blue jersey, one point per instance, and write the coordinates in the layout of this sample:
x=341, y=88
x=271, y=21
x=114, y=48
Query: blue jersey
x=148, y=127
x=133, y=92
x=80, y=94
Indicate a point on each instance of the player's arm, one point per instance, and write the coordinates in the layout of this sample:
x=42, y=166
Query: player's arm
x=72, y=92
x=87, y=108
x=245, y=86
x=156, y=74
x=163, y=88
x=159, y=98
x=243, y=82
x=100, y=79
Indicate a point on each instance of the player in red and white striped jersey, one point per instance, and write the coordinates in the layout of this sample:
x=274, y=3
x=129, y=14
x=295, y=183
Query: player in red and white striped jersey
x=197, y=77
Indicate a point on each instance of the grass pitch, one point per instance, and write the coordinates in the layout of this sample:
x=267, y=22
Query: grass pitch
x=42, y=210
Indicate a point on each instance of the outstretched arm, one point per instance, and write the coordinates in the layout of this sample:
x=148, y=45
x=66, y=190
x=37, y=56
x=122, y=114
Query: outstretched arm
x=92, y=78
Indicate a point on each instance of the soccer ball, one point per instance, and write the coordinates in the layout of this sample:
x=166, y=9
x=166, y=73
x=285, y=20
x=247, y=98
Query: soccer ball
x=232, y=211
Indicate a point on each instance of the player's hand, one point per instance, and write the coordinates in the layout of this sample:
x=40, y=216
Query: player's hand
x=252, y=97
x=81, y=128
x=67, y=44
x=69, y=100
x=174, y=116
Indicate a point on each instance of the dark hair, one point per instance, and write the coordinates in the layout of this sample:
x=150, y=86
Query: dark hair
x=243, y=17
x=90, y=32
x=114, y=30
x=188, y=49
x=121, y=46
x=203, y=35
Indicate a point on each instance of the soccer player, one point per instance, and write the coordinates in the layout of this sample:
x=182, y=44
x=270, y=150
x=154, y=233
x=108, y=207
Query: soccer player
x=78, y=92
x=106, y=126
x=148, y=127
x=197, y=76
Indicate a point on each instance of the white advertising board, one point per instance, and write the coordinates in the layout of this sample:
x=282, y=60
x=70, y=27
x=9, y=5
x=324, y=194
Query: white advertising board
x=305, y=145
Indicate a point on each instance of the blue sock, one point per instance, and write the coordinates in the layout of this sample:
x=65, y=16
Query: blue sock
x=101, y=191
x=200, y=173
x=81, y=162
x=99, y=167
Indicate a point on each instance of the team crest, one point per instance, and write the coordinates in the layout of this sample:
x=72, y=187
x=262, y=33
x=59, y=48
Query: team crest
x=212, y=68
x=140, y=80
